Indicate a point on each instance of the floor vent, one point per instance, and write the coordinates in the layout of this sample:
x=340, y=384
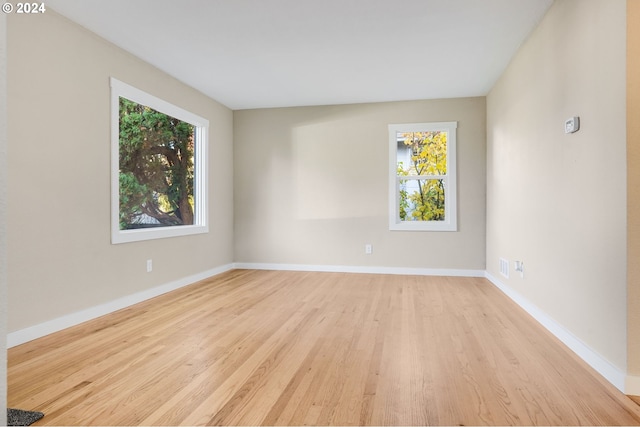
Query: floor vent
x=504, y=267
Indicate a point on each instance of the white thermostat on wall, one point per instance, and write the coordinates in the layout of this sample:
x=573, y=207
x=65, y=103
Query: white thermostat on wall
x=572, y=125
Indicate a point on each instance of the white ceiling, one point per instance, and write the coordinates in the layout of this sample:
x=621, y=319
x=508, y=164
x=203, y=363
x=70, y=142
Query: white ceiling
x=277, y=53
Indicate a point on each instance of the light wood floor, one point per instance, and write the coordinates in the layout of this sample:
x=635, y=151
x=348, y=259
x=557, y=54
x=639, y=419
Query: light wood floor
x=276, y=348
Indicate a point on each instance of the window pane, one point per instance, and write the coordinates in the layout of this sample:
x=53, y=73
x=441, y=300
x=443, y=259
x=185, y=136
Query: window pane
x=422, y=153
x=422, y=200
x=156, y=153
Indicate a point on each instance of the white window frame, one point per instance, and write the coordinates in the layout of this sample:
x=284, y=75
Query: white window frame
x=201, y=135
x=450, y=222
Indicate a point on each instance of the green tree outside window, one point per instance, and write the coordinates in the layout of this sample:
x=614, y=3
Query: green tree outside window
x=156, y=168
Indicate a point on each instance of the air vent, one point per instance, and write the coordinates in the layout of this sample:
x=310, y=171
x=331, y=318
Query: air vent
x=504, y=267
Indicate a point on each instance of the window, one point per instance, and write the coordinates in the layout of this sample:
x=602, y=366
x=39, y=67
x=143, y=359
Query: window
x=158, y=167
x=422, y=176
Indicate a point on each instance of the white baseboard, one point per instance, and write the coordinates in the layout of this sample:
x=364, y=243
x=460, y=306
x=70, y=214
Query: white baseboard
x=610, y=372
x=24, y=335
x=362, y=269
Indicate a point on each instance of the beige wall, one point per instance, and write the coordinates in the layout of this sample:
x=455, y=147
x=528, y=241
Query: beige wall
x=633, y=188
x=3, y=210
x=60, y=256
x=311, y=186
x=556, y=201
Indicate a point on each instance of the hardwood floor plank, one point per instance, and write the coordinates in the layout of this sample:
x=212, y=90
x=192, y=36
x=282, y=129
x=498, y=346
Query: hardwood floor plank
x=303, y=348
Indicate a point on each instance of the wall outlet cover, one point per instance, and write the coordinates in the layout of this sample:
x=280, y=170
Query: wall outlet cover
x=572, y=125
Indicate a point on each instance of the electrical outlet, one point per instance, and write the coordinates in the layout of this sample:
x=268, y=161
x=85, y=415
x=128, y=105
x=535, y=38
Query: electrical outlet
x=572, y=125
x=149, y=265
x=519, y=266
x=368, y=249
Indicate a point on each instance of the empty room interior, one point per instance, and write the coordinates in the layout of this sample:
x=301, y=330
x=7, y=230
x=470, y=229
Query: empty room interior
x=337, y=212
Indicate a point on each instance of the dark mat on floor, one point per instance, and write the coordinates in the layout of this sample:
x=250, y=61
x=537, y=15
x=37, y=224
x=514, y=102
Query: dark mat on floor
x=18, y=417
